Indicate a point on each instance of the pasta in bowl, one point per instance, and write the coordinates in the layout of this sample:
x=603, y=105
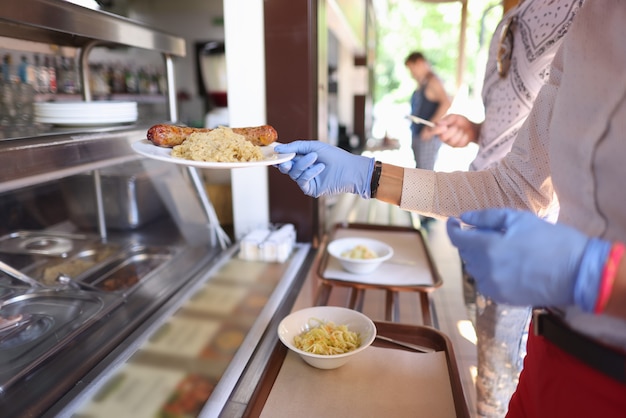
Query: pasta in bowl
x=326, y=337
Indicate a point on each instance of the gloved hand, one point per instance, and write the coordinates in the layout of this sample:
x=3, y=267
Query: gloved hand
x=519, y=259
x=322, y=169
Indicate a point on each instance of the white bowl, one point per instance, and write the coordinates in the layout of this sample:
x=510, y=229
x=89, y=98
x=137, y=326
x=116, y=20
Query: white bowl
x=303, y=320
x=355, y=265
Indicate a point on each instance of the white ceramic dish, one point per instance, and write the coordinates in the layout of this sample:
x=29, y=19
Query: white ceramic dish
x=85, y=113
x=93, y=112
x=303, y=320
x=148, y=149
x=359, y=265
x=86, y=121
x=102, y=105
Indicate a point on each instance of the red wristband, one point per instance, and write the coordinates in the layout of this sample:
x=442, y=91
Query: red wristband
x=608, y=275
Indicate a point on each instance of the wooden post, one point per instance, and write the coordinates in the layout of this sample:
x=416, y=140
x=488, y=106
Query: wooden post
x=462, y=41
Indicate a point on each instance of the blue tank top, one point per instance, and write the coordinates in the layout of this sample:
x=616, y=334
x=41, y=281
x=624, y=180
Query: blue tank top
x=422, y=107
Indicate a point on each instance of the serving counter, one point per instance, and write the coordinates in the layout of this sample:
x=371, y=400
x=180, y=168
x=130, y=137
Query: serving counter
x=147, y=316
x=158, y=320
x=157, y=300
x=99, y=283
x=186, y=359
x=153, y=320
x=196, y=319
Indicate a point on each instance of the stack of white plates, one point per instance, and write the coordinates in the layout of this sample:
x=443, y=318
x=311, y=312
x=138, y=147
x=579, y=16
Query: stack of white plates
x=85, y=113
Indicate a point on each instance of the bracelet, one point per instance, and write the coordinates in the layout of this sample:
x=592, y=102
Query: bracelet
x=378, y=169
x=608, y=276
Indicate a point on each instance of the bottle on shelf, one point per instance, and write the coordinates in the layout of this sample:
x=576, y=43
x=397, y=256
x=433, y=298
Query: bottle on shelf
x=52, y=74
x=74, y=78
x=8, y=109
x=7, y=69
x=61, y=74
x=26, y=72
x=143, y=79
x=119, y=81
x=42, y=75
x=109, y=78
x=130, y=81
x=153, y=83
x=67, y=77
x=162, y=83
x=98, y=80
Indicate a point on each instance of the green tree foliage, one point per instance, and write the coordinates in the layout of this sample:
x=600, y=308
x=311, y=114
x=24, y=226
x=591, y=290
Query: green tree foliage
x=434, y=29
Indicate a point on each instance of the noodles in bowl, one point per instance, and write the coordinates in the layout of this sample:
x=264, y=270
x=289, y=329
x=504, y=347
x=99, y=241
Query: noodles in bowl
x=326, y=337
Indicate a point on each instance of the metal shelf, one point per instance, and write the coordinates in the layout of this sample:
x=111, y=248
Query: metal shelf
x=31, y=160
x=66, y=24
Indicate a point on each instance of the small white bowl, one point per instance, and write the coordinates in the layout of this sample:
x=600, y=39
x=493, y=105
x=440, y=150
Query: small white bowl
x=303, y=320
x=355, y=265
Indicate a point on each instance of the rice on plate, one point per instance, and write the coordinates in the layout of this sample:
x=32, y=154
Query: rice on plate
x=218, y=145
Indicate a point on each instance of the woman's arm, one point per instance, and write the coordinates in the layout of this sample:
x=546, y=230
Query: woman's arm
x=390, y=184
x=522, y=179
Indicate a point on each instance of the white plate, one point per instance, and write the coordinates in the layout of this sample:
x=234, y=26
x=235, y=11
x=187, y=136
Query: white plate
x=148, y=149
x=85, y=113
x=95, y=121
x=100, y=105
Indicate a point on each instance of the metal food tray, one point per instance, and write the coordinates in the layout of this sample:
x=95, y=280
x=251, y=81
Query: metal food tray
x=51, y=318
x=80, y=263
x=423, y=336
x=127, y=270
x=55, y=244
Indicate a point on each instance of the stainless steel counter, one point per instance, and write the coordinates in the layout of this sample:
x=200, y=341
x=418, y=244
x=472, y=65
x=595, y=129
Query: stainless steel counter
x=80, y=364
x=46, y=375
x=249, y=359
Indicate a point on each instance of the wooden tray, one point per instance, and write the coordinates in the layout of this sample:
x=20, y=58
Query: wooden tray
x=411, y=257
x=410, y=246
x=424, y=336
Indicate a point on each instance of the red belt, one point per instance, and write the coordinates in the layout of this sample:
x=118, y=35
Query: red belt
x=601, y=357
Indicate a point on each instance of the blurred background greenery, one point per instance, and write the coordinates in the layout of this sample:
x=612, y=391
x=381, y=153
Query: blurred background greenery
x=433, y=29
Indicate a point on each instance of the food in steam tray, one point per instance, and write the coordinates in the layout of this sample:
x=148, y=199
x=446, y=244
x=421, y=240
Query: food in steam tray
x=188, y=399
x=360, y=252
x=326, y=338
x=221, y=144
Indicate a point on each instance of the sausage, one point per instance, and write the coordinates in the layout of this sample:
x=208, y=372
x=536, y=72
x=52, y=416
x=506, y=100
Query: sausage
x=171, y=135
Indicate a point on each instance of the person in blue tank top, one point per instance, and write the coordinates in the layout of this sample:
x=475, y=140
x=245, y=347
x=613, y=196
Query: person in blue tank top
x=429, y=101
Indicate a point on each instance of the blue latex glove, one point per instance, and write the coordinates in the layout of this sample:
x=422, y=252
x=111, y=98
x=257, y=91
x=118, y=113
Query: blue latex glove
x=322, y=169
x=518, y=259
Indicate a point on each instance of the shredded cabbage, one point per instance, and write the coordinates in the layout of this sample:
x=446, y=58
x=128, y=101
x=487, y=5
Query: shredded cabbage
x=326, y=338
